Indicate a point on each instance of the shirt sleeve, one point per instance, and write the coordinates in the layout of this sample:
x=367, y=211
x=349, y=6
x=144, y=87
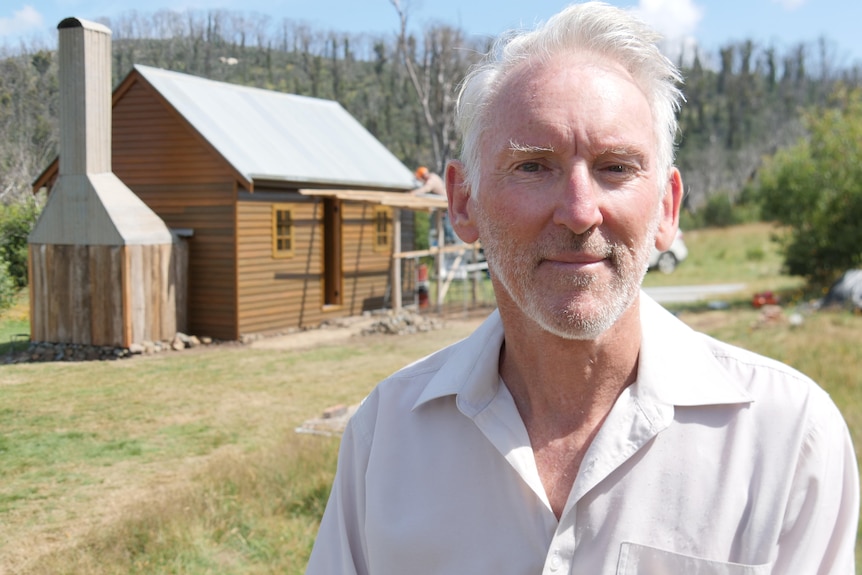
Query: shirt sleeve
x=822, y=517
x=340, y=547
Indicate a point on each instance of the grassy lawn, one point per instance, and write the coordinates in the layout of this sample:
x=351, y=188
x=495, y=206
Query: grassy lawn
x=742, y=254
x=189, y=462
x=15, y=325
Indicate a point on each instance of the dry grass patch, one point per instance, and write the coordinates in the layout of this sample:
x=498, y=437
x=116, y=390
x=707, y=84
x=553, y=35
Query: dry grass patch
x=93, y=450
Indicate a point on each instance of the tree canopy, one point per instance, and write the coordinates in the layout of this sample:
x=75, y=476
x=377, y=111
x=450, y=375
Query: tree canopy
x=744, y=103
x=814, y=188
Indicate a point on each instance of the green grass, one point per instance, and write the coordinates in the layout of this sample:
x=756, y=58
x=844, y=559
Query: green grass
x=741, y=254
x=177, y=463
x=15, y=325
x=188, y=463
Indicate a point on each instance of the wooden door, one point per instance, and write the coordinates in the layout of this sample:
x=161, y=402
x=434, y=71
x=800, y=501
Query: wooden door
x=332, y=252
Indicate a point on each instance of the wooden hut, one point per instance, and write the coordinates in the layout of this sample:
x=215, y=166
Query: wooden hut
x=104, y=268
x=290, y=205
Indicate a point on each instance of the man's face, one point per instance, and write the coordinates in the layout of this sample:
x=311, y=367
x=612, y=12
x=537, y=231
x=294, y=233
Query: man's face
x=570, y=201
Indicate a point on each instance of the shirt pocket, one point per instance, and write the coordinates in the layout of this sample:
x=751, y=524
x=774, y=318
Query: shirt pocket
x=642, y=560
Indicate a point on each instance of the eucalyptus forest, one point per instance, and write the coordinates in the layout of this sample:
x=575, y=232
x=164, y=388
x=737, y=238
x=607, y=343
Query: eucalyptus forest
x=744, y=102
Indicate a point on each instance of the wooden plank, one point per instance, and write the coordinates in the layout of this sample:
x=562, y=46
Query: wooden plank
x=135, y=268
x=152, y=296
x=180, y=284
x=98, y=264
x=114, y=266
x=38, y=301
x=80, y=308
x=167, y=294
x=58, y=292
x=50, y=305
x=126, y=290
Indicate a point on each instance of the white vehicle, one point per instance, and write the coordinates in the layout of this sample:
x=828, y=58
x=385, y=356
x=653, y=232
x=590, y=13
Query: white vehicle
x=666, y=262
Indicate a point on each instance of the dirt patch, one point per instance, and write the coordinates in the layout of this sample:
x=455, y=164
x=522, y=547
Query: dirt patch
x=403, y=322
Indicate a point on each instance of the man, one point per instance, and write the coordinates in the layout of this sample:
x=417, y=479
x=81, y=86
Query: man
x=429, y=183
x=582, y=428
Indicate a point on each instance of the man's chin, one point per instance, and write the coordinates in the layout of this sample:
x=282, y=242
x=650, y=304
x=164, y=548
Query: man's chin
x=585, y=317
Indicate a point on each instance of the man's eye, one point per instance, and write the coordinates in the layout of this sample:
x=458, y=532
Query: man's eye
x=530, y=167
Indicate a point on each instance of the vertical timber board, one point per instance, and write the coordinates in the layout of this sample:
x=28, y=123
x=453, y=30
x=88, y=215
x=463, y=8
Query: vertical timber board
x=117, y=319
x=37, y=292
x=100, y=284
x=48, y=306
x=106, y=302
x=58, y=293
x=138, y=306
x=152, y=296
x=125, y=262
x=167, y=290
x=31, y=254
x=80, y=306
x=235, y=232
x=179, y=283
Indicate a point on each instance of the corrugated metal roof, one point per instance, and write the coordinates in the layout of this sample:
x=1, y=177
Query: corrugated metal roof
x=268, y=135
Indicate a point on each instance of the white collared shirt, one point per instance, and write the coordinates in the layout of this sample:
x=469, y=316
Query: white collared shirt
x=715, y=461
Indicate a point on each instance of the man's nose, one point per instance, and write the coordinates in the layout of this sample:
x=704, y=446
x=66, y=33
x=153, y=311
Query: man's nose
x=577, y=205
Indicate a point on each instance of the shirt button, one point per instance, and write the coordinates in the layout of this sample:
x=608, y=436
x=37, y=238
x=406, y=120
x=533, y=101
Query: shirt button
x=555, y=563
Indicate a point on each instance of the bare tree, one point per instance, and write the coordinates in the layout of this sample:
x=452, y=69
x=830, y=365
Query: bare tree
x=435, y=64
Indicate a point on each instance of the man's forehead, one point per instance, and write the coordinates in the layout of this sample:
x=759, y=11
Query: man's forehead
x=541, y=106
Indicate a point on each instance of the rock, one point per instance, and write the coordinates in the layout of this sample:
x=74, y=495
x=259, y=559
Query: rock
x=334, y=411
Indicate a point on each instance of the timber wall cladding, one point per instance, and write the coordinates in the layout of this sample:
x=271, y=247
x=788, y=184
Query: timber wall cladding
x=188, y=185
x=106, y=295
x=280, y=293
x=152, y=143
x=366, y=271
x=208, y=210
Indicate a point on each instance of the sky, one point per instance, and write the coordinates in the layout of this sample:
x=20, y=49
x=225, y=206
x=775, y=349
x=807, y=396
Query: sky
x=707, y=23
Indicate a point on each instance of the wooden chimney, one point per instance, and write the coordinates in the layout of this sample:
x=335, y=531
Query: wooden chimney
x=104, y=268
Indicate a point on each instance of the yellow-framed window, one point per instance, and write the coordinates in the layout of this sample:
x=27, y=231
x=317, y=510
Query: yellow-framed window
x=382, y=229
x=282, y=231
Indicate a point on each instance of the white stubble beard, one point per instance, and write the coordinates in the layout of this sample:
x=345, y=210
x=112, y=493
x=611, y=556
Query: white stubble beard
x=514, y=270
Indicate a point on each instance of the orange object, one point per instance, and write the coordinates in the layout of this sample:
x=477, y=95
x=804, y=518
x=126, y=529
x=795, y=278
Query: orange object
x=764, y=298
x=421, y=172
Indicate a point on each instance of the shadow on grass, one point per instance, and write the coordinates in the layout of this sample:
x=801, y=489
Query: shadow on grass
x=16, y=343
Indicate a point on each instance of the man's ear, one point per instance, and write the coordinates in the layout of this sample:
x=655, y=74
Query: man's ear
x=670, y=205
x=461, y=209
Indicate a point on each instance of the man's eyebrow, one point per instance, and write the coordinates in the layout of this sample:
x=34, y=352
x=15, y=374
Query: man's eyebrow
x=621, y=151
x=527, y=148
x=625, y=152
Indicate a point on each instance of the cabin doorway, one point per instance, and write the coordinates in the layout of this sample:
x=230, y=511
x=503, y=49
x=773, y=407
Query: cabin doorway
x=333, y=277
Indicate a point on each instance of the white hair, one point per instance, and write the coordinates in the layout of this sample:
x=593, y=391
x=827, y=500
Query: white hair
x=593, y=27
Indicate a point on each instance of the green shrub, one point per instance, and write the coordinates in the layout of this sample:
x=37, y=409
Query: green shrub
x=721, y=212
x=16, y=222
x=755, y=254
x=718, y=212
x=813, y=189
x=8, y=289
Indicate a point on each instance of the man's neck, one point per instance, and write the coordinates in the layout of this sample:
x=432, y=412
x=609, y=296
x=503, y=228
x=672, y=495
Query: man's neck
x=564, y=390
x=552, y=377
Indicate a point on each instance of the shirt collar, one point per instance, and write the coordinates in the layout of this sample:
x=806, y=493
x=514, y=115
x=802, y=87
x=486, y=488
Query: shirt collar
x=471, y=371
x=676, y=366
